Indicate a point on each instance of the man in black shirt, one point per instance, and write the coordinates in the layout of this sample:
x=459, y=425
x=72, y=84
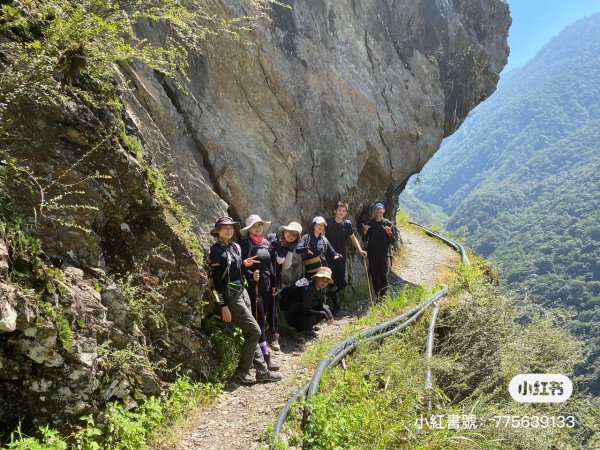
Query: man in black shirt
x=339, y=229
x=379, y=235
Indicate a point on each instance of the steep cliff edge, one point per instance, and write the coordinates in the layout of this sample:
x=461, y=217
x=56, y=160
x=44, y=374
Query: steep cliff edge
x=324, y=102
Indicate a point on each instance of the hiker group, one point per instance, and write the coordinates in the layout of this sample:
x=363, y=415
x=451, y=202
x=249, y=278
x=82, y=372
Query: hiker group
x=248, y=277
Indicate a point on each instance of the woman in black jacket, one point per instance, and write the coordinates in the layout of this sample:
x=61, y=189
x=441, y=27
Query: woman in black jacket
x=260, y=274
x=226, y=267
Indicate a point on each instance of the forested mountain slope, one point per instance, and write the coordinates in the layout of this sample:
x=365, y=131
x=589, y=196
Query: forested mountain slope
x=520, y=179
x=555, y=94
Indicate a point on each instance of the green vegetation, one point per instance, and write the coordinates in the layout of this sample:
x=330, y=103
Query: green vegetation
x=228, y=343
x=420, y=212
x=34, y=275
x=123, y=429
x=379, y=399
x=67, y=46
x=519, y=181
x=173, y=212
x=142, y=303
x=62, y=54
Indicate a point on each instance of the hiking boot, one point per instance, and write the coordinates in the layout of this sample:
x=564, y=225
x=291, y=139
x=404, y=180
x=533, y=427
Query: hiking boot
x=267, y=376
x=274, y=342
x=246, y=378
x=271, y=364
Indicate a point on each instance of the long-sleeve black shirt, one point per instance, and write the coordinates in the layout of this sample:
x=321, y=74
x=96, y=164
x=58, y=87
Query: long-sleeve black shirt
x=226, y=265
x=313, y=301
x=378, y=241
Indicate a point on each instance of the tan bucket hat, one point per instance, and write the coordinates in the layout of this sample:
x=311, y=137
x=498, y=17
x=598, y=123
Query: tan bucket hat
x=251, y=220
x=292, y=226
x=324, y=272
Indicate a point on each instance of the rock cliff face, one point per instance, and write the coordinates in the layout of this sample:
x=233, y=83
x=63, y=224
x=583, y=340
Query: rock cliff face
x=329, y=100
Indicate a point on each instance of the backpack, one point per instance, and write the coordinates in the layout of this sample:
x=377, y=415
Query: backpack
x=292, y=295
x=263, y=253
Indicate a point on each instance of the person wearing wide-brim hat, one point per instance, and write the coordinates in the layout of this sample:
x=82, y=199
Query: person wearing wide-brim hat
x=283, y=245
x=226, y=269
x=260, y=274
x=315, y=248
x=251, y=221
x=311, y=309
x=225, y=220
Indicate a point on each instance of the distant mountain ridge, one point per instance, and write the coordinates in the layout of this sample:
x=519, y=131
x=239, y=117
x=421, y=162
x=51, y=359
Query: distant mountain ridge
x=481, y=149
x=520, y=179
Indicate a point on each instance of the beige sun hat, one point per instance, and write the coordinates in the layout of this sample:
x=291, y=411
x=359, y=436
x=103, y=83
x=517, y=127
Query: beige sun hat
x=319, y=219
x=324, y=272
x=292, y=226
x=251, y=220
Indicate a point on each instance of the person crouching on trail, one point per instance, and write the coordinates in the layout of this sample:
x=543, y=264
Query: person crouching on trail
x=315, y=248
x=339, y=230
x=379, y=236
x=283, y=246
x=226, y=268
x=256, y=250
x=311, y=309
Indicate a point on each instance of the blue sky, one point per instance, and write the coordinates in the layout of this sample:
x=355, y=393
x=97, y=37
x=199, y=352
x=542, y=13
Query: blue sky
x=535, y=22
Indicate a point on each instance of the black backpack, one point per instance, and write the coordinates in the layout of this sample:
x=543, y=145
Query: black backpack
x=292, y=295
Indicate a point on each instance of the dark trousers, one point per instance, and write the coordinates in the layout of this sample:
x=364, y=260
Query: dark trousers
x=241, y=315
x=302, y=319
x=340, y=280
x=271, y=307
x=379, y=267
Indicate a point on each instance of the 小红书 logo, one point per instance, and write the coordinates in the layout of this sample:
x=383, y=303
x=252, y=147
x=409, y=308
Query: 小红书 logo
x=540, y=388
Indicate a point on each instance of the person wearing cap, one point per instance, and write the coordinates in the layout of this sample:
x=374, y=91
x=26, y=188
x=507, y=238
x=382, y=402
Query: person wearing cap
x=339, y=230
x=311, y=310
x=378, y=234
x=260, y=273
x=283, y=246
x=227, y=270
x=315, y=249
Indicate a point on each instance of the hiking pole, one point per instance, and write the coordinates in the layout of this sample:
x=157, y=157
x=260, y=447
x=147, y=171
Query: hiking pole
x=256, y=297
x=368, y=282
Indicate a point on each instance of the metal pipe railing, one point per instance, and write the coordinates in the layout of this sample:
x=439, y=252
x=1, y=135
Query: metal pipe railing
x=338, y=352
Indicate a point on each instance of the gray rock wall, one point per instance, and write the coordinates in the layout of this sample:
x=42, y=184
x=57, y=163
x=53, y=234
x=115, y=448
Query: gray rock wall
x=331, y=100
